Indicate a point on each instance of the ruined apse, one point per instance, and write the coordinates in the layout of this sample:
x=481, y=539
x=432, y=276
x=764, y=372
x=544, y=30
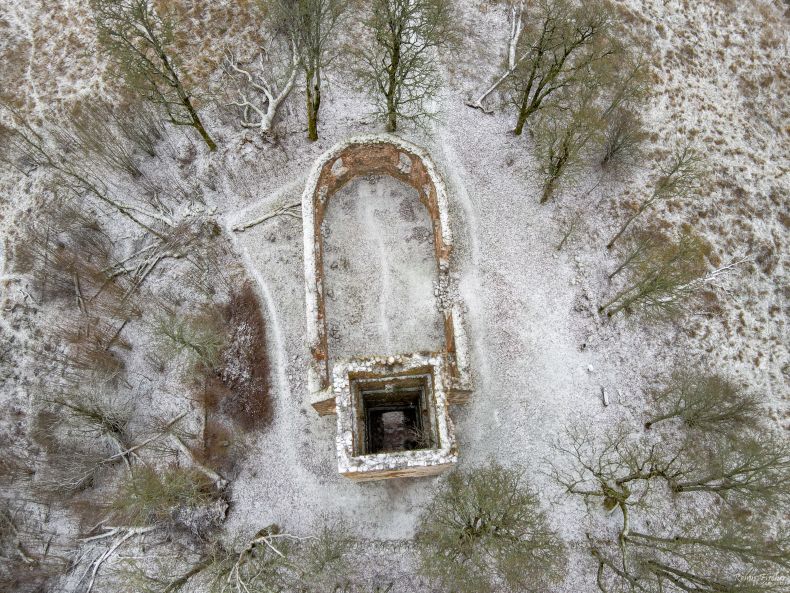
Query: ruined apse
x=413, y=388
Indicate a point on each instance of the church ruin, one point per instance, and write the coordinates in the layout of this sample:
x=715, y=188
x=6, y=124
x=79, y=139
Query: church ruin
x=392, y=408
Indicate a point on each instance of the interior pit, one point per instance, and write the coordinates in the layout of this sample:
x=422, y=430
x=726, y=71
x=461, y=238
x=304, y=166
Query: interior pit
x=394, y=415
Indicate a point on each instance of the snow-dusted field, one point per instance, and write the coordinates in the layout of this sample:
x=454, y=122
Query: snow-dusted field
x=541, y=354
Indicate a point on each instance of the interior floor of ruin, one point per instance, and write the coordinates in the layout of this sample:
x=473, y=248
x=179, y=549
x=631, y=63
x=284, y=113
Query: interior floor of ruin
x=379, y=271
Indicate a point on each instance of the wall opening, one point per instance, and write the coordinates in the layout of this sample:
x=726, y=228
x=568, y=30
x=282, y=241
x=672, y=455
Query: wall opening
x=392, y=424
x=394, y=414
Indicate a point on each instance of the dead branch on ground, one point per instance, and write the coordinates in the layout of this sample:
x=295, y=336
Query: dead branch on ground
x=293, y=210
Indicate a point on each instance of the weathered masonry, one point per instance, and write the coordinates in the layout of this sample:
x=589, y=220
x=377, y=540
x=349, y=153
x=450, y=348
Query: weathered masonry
x=392, y=410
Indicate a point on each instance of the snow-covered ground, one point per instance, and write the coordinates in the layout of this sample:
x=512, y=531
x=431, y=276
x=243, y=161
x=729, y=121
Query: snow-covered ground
x=541, y=354
x=380, y=271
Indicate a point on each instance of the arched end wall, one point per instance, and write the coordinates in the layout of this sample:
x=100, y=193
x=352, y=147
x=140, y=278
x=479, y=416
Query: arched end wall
x=374, y=155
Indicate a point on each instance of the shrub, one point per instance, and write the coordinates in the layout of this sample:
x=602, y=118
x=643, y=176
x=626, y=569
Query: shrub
x=245, y=362
x=271, y=561
x=707, y=402
x=237, y=386
x=221, y=447
x=484, y=527
x=15, y=461
x=149, y=497
x=198, y=337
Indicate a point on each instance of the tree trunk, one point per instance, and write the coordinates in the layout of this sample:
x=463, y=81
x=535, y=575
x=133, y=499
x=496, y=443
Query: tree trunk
x=661, y=418
x=392, y=89
x=185, y=100
x=556, y=171
x=392, y=119
x=621, y=298
x=198, y=125
x=312, y=75
x=523, y=113
x=548, y=189
x=177, y=584
x=625, y=263
x=527, y=105
x=628, y=222
x=206, y=138
x=312, y=115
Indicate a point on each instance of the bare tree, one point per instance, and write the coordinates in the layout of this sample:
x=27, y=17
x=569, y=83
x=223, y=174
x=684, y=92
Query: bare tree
x=619, y=470
x=680, y=179
x=561, y=43
x=701, y=552
x=727, y=537
x=312, y=26
x=271, y=560
x=71, y=469
x=516, y=22
x=662, y=278
x=94, y=437
x=709, y=403
x=485, y=525
x=740, y=466
x=98, y=413
x=172, y=496
x=141, y=41
x=683, y=564
x=398, y=66
x=624, y=94
x=95, y=135
x=260, y=113
x=111, y=133
x=626, y=71
x=561, y=139
x=26, y=142
x=623, y=138
x=640, y=244
x=200, y=337
x=139, y=123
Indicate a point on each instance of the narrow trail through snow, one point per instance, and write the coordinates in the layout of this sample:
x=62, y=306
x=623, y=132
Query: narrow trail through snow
x=372, y=224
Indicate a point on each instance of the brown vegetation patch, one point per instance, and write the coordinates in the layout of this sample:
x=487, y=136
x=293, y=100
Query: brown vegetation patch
x=239, y=387
x=219, y=447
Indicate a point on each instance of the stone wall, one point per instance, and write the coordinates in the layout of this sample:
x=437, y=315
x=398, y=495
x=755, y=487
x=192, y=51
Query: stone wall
x=380, y=466
x=378, y=155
